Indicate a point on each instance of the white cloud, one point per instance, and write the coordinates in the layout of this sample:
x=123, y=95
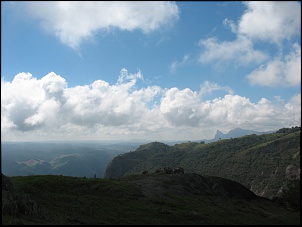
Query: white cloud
x=271, y=21
x=46, y=115
x=124, y=76
x=279, y=72
x=47, y=108
x=291, y=107
x=76, y=21
x=181, y=107
x=208, y=87
x=177, y=64
x=230, y=24
x=53, y=86
x=240, y=52
x=240, y=111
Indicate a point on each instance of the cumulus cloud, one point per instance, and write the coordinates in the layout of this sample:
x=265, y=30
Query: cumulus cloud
x=239, y=52
x=271, y=21
x=47, y=107
x=75, y=21
x=279, y=72
x=29, y=103
x=291, y=107
x=181, y=107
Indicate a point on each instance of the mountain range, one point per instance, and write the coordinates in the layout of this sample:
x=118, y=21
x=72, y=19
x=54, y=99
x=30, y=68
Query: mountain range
x=246, y=180
x=79, y=159
x=234, y=133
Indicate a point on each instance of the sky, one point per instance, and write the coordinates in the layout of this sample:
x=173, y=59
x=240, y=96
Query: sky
x=148, y=70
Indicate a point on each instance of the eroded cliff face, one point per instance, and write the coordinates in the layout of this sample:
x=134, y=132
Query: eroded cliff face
x=272, y=181
x=265, y=184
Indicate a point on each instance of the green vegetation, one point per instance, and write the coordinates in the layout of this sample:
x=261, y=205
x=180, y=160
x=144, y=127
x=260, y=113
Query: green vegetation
x=264, y=163
x=289, y=130
x=125, y=200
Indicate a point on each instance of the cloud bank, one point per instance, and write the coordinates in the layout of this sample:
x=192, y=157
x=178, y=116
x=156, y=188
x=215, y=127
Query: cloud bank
x=74, y=22
x=34, y=108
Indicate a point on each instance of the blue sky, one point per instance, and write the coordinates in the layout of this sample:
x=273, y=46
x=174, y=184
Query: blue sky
x=148, y=70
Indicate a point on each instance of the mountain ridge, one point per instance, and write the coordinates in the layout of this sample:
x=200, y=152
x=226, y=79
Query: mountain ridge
x=264, y=163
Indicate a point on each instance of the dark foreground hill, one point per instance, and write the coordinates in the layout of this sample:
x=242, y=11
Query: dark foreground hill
x=155, y=199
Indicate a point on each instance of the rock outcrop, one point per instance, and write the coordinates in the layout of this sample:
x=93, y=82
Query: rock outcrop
x=13, y=203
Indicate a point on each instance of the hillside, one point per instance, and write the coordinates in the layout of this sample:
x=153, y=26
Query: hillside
x=263, y=163
x=156, y=199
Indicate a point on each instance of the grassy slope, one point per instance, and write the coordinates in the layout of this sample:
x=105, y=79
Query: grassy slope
x=72, y=200
x=256, y=161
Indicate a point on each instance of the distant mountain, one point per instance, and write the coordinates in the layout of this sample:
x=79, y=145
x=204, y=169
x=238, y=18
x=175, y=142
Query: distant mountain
x=237, y=132
x=77, y=159
x=234, y=133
